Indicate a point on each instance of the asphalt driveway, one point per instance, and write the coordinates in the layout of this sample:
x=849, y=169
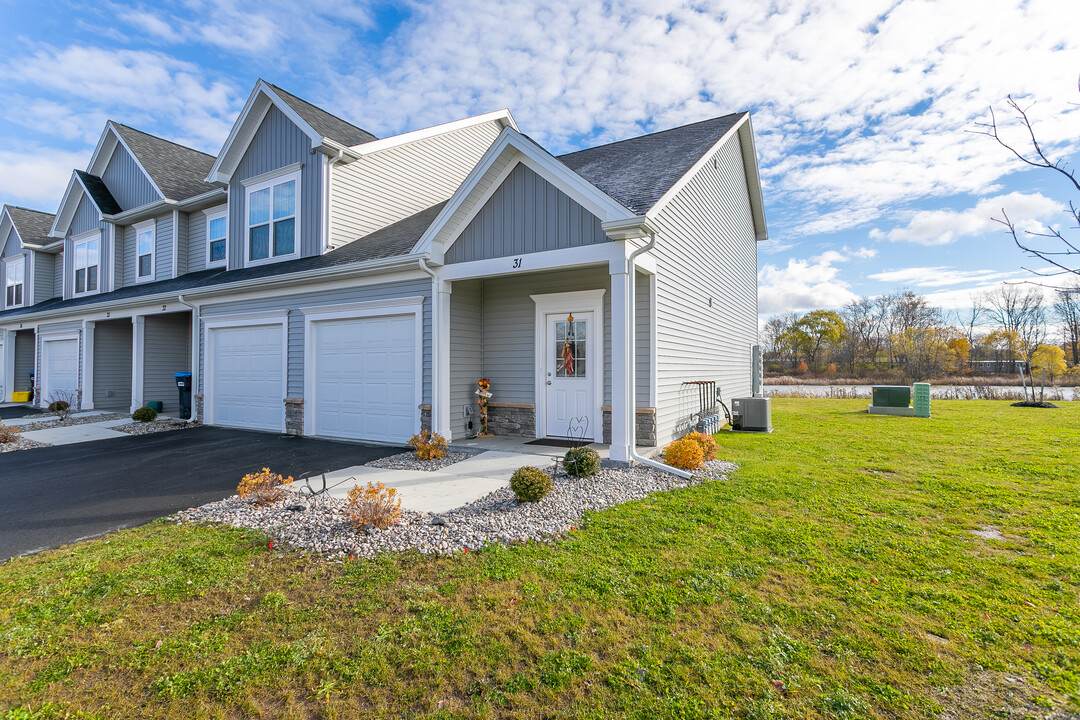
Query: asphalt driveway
x=17, y=411
x=56, y=495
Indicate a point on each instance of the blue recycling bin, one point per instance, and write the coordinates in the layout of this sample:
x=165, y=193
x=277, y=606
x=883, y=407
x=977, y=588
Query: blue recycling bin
x=183, y=386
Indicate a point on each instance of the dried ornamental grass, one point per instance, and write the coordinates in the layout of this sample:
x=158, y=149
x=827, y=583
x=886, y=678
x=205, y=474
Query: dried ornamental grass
x=8, y=434
x=374, y=505
x=263, y=487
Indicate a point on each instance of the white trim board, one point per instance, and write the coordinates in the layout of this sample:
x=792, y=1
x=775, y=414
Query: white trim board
x=549, y=303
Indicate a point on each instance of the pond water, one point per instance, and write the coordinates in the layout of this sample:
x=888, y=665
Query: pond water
x=939, y=392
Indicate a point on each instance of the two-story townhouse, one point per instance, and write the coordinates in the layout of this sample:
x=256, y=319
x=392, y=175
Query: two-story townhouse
x=345, y=286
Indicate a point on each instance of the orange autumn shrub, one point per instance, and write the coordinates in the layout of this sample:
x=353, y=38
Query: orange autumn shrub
x=685, y=453
x=709, y=448
x=264, y=487
x=373, y=505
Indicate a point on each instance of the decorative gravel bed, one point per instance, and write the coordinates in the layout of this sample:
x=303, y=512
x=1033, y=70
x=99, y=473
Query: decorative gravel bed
x=52, y=421
x=408, y=461
x=20, y=444
x=321, y=525
x=154, y=426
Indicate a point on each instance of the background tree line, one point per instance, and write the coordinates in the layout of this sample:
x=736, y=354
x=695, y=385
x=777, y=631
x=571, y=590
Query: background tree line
x=901, y=334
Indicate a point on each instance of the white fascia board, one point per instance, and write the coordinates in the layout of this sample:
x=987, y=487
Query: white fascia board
x=541, y=161
x=503, y=117
x=701, y=161
x=68, y=205
x=753, y=179
x=103, y=150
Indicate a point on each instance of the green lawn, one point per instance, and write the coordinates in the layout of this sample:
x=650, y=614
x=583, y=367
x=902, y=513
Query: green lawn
x=835, y=575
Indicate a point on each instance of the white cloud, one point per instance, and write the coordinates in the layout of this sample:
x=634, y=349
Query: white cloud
x=942, y=227
x=36, y=177
x=803, y=285
x=941, y=276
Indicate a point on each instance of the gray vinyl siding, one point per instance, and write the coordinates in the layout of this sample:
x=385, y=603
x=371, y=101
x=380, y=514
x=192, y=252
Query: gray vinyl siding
x=526, y=214
x=386, y=186
x=167, y=351
x=466, y=353
x=293, y=303
x=182, y=240
x=509, y=327
x=706, y=250
x=45, y=266
x=196, y=243
x=59, y=267
x=457, y=219
x=24, y=359
x=278, y=143
x=12, y=244
x=127, y=183
x=86, y=218
x=112, y=365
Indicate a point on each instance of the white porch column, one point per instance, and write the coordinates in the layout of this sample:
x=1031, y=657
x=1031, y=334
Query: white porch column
x=440, y=358
x=137, y=334
x=7, y=365
x=622, y=402
x=88, y=366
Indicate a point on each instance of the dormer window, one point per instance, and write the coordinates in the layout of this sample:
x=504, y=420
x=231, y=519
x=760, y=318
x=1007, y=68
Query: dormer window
x=87, y=257
x=14, y=276
x=144, y=251
x=273, y=217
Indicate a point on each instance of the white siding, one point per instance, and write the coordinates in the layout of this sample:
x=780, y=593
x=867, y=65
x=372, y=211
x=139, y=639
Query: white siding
x=387, y=186
x=706, y=251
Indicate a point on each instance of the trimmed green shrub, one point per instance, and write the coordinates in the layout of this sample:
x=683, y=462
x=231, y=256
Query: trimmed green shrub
x=144, y=414
x=59, y=406
x=530, y=484
x=581, y=461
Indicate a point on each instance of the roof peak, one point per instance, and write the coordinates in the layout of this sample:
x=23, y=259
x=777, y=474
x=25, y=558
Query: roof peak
x=369, y=136
x=158, y=137
x=658, y=132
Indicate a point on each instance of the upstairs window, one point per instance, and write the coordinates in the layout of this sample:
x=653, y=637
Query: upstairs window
x=217, y=229
x=87, y=258
x=273, y=215
x=14, y=274
x=144, y=251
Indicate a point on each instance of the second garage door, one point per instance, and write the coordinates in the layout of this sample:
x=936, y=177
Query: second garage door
x=247, y=377
x=60, y=359
x=366, y=378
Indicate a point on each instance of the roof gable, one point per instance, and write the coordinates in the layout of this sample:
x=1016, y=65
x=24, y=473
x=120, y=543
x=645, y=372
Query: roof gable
x=82, y=184
x=325, y=131
x=32, y=226
x=179, y=172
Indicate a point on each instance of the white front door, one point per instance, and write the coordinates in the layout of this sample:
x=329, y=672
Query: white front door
x=570, y=376
x=247, y=374
x=366, y=384
x=61, y=362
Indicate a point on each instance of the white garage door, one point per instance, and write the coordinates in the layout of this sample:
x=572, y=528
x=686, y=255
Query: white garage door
x=60, y=360
x=246, y=377
x=366, y=379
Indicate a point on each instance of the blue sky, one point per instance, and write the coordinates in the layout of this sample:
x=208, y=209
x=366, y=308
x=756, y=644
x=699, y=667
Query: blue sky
x=862, y=110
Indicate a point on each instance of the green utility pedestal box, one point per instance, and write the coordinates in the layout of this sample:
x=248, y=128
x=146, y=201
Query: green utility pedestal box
x=896, y=396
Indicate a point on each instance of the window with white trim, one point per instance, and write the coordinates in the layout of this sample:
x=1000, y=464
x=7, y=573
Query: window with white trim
x=273, y=217
x=87, y=258
x=217, y=231
x=144, y=251
x=14, y=282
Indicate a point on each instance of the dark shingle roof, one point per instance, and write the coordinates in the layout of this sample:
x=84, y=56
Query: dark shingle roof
x=327, y=125
x=178, y=170
x=396, y=239
x=637, y=172
x=99, y=193
x=32, y=225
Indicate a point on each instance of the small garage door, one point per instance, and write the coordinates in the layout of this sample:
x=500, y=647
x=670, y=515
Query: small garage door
x=366, y=379
x=60, y=360
x=247, y=373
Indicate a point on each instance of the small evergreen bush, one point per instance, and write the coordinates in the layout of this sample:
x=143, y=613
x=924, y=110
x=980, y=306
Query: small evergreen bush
x=581, y=461
x=428, y=445
x=144, y=414
x=685, y=453
x=530, y=484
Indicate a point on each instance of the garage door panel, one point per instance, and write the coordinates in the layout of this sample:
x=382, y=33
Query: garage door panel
x=61, y=363
x=365, y=378
x=247, y=367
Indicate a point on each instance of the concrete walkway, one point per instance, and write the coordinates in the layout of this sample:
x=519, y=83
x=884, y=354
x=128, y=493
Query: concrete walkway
x=440, y=490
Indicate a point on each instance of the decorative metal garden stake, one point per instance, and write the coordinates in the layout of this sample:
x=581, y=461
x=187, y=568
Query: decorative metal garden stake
x=483, y=395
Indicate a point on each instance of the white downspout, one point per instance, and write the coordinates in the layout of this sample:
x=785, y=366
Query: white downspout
x=196, y=337
x=632, y=373
x=436, y=339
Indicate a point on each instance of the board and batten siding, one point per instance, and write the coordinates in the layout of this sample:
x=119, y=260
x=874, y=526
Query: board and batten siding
x=86, y=218
x=526, y=214
x=167, y=351
x=24, y=359
x=706, y=291
x=112, y=365
x=127, y=183
x=466, y=354
x=390, y=185
x=278, y=143
x=45, y=265
x=315, y=297
x=12, y=244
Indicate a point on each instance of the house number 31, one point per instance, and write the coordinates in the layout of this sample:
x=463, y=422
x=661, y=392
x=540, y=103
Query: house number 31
x=517, y=262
